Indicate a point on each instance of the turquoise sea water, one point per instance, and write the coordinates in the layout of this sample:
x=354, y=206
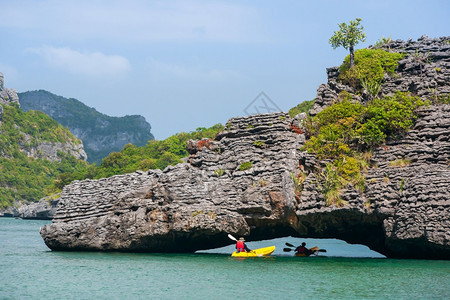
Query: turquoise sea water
x=29, y=270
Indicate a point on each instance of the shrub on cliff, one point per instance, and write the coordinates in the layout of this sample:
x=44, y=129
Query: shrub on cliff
x=342, y=132
x=388, y=117
x=370, y=67
x=348, y=126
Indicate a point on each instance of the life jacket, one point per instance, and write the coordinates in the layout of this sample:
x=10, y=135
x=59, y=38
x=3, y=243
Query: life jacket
x=240, y=246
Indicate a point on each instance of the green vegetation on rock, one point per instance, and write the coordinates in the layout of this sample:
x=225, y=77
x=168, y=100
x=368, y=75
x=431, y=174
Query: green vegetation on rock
x=98, y=131
x=304, y=106
x=370, y=67
x=245, y=166
x=24, y=178
x=346, y=132
x=155, y=155
x=29, y=179
x=26, y=129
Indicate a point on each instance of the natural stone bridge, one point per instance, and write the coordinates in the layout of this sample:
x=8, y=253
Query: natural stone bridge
x=241, y=183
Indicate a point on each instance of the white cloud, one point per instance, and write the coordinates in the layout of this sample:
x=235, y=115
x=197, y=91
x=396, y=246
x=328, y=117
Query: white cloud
x=93, y=64
x=133, y=19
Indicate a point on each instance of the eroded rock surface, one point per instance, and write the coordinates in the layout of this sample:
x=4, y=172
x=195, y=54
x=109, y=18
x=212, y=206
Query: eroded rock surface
x=402, y=213
x=239, y=183
x=405, y=208
x=242, y=183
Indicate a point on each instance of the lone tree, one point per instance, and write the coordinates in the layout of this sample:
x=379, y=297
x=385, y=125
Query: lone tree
x=348, y=36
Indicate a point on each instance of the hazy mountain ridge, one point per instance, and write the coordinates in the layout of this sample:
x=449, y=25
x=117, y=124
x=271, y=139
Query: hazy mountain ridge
x=101, y=134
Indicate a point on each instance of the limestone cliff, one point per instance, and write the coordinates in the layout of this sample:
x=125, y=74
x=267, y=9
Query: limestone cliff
x=242, y=183
x=424, y=71
x=34, y=146
x=101, y=134
x=238, y=183
x=7, y=96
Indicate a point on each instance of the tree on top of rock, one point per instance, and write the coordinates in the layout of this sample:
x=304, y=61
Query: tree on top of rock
x=348, y=36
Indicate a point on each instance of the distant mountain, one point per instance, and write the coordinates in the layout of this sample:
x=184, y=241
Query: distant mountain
x=34, y=150
x=101, y=134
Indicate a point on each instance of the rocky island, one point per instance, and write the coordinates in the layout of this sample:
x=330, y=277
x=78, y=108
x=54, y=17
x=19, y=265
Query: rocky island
x=244, y=182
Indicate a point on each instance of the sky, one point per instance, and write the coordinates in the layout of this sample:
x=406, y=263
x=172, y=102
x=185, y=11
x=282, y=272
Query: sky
x=189, y=64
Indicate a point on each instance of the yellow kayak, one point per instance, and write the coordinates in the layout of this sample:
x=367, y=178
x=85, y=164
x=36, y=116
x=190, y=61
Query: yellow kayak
x=312, y=251
x=255, y=253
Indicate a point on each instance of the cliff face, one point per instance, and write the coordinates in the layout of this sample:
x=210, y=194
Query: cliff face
x=7, y=96
x=408, y=190
x=39, y=148
x=242, y=183
x=239, y=183
x=404, y=210
x=423, y=71
x=101, y=134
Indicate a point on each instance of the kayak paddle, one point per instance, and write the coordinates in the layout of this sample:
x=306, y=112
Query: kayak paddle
x=232, y=238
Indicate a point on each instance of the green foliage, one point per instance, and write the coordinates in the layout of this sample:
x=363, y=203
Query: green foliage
x=245, y=166
x=23, y=130
x=305, y=107
x=370, y=66
x=25, y=178
x=372, y=87
x=74, y=114
x=389, y=117
x=342, y=132
x=402, y=184
x=338, y=174
x=155, y=155
x=298, y=182
x=259, y=144
x=439, y=98
x=219, y=172
x=335, y=128
x=348, y=36
x=346, y=125
x=401, y=162
x=382, y=42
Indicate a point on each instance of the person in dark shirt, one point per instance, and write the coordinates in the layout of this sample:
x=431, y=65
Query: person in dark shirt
x=302, y=249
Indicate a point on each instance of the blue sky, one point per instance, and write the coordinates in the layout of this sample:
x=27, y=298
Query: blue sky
x=187, y=64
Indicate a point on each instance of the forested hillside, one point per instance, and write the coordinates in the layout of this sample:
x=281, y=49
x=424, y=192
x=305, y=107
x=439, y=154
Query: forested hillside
x=101, y=134
x=155, y=155
x=29, y=172
x=34, y=149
